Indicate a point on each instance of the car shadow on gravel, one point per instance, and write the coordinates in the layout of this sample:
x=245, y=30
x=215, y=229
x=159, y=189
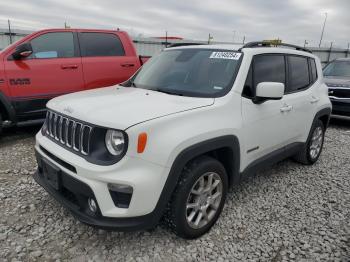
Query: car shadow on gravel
x=341, y=122
x=14, y=134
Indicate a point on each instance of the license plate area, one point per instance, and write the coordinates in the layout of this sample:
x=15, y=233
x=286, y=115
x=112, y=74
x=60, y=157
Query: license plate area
x=52, y=174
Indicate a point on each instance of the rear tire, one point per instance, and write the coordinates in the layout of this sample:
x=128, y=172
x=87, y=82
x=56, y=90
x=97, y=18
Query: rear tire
x=198, y=199
x=313, y=147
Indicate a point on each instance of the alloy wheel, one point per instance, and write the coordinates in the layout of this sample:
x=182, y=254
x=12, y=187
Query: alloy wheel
x=204, y=200
x=316, y=142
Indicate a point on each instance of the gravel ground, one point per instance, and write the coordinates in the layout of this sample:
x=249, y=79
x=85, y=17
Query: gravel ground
x=290, y=212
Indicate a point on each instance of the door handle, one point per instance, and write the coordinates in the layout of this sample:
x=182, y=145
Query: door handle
x=128, y=65
x=314, y=100
x=286, y=108
x=69, y=66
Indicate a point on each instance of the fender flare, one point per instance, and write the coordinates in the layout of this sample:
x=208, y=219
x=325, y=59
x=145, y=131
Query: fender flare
x=4, y=101
x=229, y=141
x=323, y=112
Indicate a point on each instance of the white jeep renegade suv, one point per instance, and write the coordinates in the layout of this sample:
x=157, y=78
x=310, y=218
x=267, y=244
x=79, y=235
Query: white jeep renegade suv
x=169, y=142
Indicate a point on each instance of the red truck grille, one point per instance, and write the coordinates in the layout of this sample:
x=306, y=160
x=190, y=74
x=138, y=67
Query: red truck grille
x=68, y=132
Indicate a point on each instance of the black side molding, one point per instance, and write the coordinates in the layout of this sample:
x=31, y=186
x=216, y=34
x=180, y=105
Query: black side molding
x=326, y=112
x=271, y=159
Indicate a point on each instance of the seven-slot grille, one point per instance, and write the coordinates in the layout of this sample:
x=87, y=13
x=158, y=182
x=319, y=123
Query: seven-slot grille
x=68, y=132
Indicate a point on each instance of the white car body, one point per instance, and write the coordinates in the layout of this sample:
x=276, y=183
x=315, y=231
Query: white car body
x=174, y=124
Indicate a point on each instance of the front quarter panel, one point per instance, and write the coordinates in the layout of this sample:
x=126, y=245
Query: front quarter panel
x=170, y=135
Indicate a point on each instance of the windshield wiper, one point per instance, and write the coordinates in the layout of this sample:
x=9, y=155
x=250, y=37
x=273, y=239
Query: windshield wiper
x=168, y=92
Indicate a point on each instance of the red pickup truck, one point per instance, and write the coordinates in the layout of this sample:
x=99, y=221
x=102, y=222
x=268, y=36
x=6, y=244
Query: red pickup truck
x=54, y=62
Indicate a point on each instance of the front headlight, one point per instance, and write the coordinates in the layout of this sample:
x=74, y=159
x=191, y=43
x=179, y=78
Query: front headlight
x=115, y=142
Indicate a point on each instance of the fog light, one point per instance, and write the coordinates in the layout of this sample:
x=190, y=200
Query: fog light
x=92, y=205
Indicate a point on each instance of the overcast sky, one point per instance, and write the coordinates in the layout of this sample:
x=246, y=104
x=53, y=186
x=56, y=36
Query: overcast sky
x=290, y=20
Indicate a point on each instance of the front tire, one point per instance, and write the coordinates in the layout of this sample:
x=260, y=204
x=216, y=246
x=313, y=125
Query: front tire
x=313, y=147
x=198, y=198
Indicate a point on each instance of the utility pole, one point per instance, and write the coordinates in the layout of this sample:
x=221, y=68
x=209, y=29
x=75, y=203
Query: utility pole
x=209, y=38
x=234, y=34
x=324, y=25
x=243, y=40
x=330, y=51
x=347, y=52
x=166, y=39
x=10, y=33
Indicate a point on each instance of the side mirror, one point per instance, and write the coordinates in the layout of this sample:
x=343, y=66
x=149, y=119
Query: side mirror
x=268, y=91
x=22, y=51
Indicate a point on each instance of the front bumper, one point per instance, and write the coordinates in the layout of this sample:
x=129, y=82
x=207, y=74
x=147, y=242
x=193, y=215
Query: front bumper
x=80, y=211
x=81, y=180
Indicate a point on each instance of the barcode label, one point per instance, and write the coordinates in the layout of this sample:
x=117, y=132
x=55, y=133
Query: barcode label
x=225, y=55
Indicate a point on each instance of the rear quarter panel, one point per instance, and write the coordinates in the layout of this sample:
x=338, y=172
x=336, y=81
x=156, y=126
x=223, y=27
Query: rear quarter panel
x=319, y=90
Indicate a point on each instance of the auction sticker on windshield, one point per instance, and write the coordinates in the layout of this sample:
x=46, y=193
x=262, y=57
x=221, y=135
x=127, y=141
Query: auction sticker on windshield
x=225, y=55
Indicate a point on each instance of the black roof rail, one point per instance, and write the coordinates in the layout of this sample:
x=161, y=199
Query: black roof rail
x=273, y=44
x=183, y=44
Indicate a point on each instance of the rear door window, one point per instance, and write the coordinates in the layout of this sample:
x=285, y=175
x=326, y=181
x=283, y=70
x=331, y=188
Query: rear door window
x=299, y=77
x=100, y=44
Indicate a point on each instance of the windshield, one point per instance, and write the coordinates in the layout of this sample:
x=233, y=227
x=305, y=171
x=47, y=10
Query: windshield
x=190, y=72
x=337, y=68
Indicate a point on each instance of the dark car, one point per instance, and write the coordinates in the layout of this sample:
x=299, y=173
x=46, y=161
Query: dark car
x=337, y=78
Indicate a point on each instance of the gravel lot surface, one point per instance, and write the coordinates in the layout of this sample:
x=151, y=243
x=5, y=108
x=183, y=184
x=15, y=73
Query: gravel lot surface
x=290, y=212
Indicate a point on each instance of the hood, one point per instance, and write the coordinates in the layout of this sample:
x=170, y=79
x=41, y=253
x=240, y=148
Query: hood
x=337, y=81
x=121, y=107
